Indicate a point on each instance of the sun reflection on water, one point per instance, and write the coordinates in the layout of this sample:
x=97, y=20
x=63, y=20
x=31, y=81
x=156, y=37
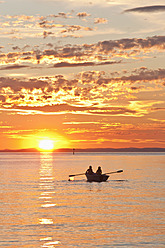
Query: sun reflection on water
x=46, y=197
x=51, y=244
x=45, y=221
x=48, y=205
x=46, y=180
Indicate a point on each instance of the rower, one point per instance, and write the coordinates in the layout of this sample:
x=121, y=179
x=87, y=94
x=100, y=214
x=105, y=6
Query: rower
x=90, y=170
x=99, y=171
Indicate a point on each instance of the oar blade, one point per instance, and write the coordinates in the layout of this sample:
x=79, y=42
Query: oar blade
x=71, y=175
x=113, y=172
x=71, y=178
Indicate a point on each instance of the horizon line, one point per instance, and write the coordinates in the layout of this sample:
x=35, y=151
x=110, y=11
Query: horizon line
x=108, y=149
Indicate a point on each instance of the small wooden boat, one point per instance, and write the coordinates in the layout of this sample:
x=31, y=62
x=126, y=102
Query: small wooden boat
x=96, y=178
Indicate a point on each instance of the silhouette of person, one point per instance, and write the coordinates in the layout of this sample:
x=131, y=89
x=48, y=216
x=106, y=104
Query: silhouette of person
x=90, y=170
x=99, y=171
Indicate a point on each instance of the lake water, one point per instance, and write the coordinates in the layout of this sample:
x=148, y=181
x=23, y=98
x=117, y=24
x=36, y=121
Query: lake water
x=40, y=208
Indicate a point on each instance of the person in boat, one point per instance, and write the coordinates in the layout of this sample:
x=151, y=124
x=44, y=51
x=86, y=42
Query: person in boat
x=90, y=170
x=99, y=171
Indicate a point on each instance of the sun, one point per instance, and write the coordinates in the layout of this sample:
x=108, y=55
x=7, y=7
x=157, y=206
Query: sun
x=46, y=145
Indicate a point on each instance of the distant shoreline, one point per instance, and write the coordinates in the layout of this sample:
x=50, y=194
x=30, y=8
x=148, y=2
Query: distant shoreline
x=69, y=150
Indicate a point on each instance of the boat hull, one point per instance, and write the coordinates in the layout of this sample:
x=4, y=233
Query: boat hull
x=96, y=178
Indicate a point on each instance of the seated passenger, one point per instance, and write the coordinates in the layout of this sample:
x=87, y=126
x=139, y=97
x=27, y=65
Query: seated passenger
x=99, y=171
x=90, y=170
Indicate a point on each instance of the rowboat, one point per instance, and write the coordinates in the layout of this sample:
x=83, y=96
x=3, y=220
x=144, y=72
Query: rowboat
x=96, y=178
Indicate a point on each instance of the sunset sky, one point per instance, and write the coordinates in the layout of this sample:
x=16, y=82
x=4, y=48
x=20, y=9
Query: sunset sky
x=83, y=74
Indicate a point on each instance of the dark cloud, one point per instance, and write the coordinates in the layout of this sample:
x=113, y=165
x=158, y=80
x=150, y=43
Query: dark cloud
x=63, y=28
x=49, y=44
x=139, y=75
x=66, y=64
x=16, y=85
x=134, y=88
x=49, y=25
x=12, y=55
x=82, y=14
x=61, y=15
x=144, y=74
x=46, y=34
x=154, y=8
x=57, y=108
x=15, y=48
x=109, y=46
x=2, y=98
x=13, y=67
x=96, y=53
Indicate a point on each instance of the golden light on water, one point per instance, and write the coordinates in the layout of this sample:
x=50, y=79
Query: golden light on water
x=71, y=178
x=48, y=205
x=45, y=221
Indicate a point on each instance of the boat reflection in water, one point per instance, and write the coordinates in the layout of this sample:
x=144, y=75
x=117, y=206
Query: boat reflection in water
x=47, y=197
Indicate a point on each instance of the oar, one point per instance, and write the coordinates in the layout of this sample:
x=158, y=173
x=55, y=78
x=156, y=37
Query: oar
x=114, y=172
x=104, y=173
x=76, y=175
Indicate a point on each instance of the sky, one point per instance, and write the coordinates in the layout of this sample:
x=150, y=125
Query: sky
x=83, y=74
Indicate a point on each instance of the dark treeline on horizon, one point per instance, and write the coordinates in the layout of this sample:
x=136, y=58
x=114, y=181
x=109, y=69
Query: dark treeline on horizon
x=129, y=149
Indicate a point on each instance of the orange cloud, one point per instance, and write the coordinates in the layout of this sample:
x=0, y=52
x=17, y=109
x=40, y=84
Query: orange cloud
x=88, y=93
x=100, y=20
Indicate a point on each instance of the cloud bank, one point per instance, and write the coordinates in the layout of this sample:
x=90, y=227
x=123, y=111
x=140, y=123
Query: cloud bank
x=90, y=92
x=100, y=53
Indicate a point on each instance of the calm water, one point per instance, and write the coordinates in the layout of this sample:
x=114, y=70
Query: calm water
x=40, y=208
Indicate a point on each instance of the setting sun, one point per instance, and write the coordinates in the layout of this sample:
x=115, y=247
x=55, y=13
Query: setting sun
x=46, y=145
